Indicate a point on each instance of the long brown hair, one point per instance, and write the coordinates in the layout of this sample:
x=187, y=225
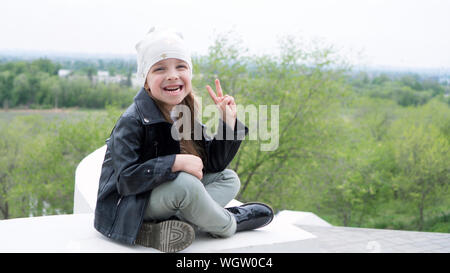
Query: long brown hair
x=187, y=146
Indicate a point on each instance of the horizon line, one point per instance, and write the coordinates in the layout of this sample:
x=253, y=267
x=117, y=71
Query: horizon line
x=111, y=55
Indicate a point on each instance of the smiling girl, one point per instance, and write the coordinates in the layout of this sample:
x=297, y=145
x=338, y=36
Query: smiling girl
x=154, y=188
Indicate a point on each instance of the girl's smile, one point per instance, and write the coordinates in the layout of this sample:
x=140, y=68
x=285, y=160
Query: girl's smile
x=174, y=90
x=169, y=81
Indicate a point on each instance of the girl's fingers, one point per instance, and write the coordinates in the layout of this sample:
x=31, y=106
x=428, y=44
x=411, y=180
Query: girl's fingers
x=228, y=102
x=212, y=94
x=218, y=88
x=219, y=98
x=232, y=100
x=228, y=99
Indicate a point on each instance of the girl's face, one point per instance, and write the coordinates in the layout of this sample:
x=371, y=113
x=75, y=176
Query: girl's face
x=169, y=81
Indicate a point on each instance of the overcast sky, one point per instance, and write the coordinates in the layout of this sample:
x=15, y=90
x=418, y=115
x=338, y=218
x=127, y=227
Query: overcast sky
x=399, y=33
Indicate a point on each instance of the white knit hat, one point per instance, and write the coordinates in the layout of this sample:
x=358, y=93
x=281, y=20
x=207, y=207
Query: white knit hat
x=157, y=45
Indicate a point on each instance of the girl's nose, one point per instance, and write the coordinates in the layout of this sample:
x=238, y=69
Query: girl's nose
x=172, y=75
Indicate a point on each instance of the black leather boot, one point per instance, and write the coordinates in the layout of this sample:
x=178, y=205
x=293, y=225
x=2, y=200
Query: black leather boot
x=166, y=236
x=251, y=215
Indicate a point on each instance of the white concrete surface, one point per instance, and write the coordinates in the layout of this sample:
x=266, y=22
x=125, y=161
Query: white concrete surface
x=302, y=218
x=76, y=233
x=87, y=176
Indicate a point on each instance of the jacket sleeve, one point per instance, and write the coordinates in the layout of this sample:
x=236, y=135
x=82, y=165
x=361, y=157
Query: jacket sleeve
x=223, y=147
x=134, y=176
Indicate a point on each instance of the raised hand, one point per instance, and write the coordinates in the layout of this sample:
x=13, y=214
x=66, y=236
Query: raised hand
x=225, y=103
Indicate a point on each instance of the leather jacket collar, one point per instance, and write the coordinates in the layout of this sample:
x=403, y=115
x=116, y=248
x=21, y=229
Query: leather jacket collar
x=147, y=109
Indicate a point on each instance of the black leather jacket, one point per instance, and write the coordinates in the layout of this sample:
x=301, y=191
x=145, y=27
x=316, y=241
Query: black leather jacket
x=139, y=157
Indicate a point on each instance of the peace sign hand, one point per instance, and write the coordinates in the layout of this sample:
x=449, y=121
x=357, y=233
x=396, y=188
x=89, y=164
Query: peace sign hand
x=226, y=104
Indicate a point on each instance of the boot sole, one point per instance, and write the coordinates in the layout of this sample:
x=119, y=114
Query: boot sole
x=167, y=236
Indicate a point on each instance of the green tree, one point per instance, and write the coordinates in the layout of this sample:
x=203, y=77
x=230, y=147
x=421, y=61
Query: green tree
x=225, y=59
x=422, y=154
x=304, y=87
x=44, y=65
x=6, y=88
x=11, y=134
x=21, y=90
x=381, y=79
x=39, y=157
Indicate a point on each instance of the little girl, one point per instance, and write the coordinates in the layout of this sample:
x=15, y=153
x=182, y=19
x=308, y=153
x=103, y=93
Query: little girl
x=153, y=187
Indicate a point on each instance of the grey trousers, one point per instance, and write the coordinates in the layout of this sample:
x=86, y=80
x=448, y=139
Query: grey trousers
x=199, y=202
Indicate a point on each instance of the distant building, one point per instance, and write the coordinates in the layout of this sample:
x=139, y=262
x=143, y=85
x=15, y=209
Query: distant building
x=104, y=77
x=64, y=73
x=102, y=74
x=134, y=81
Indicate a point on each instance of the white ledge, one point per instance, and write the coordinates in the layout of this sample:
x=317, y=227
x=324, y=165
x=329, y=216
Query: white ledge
x=76, y=233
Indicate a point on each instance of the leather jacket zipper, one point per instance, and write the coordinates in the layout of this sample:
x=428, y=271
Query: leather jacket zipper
x=156, y=148
x=115, y=218
x=120, y=199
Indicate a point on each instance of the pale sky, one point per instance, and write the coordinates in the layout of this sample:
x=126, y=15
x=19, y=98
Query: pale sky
x=398, y=33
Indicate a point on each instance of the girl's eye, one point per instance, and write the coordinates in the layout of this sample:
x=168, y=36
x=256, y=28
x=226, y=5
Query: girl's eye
x=157, y=69
x=181, y=66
